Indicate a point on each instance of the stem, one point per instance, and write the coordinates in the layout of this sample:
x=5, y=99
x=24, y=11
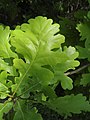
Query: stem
x=77, y=70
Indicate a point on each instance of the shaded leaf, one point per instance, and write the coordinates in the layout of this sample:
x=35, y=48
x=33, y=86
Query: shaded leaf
x=5, y=108
x=73, y=104
x=23, y=112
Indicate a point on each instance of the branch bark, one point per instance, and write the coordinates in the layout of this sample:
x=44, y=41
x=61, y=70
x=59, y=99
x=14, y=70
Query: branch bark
x=77, y=70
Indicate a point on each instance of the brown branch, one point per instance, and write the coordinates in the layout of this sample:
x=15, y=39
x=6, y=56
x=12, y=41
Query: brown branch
x=77, y=70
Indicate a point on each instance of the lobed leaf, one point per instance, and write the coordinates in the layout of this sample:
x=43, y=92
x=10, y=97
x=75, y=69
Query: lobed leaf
x=32, y=60
x=84, y=30
x=36, y=42
x=73, y=104
x=5, y=50
x=85, y=79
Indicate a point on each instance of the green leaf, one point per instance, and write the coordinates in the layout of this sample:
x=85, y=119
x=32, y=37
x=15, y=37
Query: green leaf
x=84, y=30
x=24, y=112
x=6, y=67
x=5, y=50
x=60, y=68
x=32, y=61
x=49, y=92
x=6, y=72
x=85, y=79
x=69, y=104
x=36, y=42
x=66, y=82
x=5, y=108
x=83, y=52
x=4, y=91
x=36, y=49
x=71, y=63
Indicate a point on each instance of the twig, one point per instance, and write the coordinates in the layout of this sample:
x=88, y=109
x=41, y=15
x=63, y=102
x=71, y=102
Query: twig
x=77, y=70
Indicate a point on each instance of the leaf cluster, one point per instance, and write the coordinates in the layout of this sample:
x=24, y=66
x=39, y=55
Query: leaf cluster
x=32, y=64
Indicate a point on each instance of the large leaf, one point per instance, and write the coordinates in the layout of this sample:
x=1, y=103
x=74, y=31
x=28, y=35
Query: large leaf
x=70, y=104
x=32, y=61
x=36, y=43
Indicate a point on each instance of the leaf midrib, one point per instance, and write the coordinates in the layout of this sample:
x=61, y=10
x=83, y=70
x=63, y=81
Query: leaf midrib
x=27, y=70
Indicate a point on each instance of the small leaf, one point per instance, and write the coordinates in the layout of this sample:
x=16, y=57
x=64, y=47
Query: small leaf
x=66, y=82
x=85, y=79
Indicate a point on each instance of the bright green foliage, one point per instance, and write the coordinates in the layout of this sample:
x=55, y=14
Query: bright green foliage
x=32, y=60
x=69, y=104
x=60, y=68
x=36, y=42
x=5, y=50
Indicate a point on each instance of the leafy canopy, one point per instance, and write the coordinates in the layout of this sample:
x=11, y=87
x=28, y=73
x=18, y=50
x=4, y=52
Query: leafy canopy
x=32, y=60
